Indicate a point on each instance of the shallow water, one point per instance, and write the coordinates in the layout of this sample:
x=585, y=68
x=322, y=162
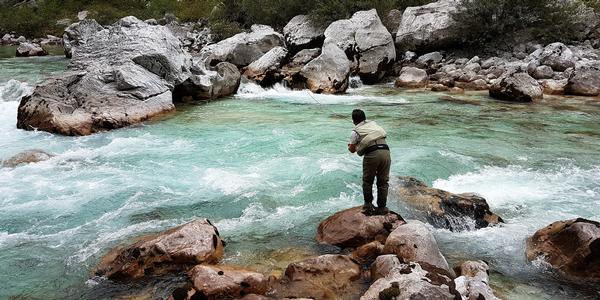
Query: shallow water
x=267, y=166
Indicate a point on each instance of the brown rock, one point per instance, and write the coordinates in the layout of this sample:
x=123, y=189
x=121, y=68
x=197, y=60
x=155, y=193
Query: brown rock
x=175, y=249
x=572, y=247
x=226, y=282
x=554, y=87
x=351, y=228
x=26, y=157
x=439, y=88
x=367, y=253
x=384, y=265
x=411, y=77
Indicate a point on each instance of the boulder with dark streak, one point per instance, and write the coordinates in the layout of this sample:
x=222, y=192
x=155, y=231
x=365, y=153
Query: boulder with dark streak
x=572, y=247
x=352, y=228
x=175, y=249
x=445, y=209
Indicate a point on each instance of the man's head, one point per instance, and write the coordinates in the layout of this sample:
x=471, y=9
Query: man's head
x=358, y=116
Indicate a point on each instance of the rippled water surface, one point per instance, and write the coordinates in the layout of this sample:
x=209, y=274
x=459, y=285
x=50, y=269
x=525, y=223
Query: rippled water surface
x=267, y=166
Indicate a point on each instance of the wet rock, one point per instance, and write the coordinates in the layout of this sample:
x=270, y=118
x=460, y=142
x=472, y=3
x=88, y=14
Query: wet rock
x=474, y=282
x=352, y=228
x=413, y=281
x=226, y=282
x=572, y=247
x=243, y=48
x=557, y=56
x=554, y=87
x=177, y=248
x=30, y=49
x=266, y=70
x=77, y=34
x=323, y=277
x=429, y=26
x=516, y=87
x=411, y=77
x=584, y=81
x=328, y=73
x=367, y=253
x=543, y=72
x=301, y=33
x=414, y=242
x=26, y=157
x=366, y=41
x=444, y=209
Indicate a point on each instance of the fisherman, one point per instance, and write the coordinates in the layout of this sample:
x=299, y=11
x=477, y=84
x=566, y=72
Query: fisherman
x=368, y=140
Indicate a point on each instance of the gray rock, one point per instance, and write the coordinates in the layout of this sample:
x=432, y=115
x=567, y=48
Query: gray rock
x=151, y=22
x=265, y=70
x=82, y=15
x=243, y=48
x=474, y=67
x=383, y=266
x=414, y=242
x=461, y=61
x=429, y=26
x=411, y=77
x=329, y=72
x=516, y=87
x=304, y=56
x=64, y=22
x=21, y=39
x=543, y=72
x=474, y=281
x=584, y=80
x=474, y=60
x=429, y=59
x=364, y=38
x=392, y=21
x=492, y=61
x=207, y=82
x=77, y=33
x=301, y=33
x=557, y=56
x=410, y=56
x=30, y=49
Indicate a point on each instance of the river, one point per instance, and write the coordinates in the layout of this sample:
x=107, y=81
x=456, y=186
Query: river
x=268, y=165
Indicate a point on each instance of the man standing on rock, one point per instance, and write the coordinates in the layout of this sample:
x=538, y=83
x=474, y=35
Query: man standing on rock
x=368, y=140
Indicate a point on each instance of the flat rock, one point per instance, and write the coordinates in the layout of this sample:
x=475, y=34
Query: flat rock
x=178, y=248
x=351, y=228
x=226, y=282
x=411, y=77
x=444, y=209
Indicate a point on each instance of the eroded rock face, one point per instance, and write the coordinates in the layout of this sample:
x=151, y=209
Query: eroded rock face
x=473, y=282
x=572, y=247
x=301, y=33
x=411, y=77
x=328, y=73
x=243, y=48
x=266, y=70
x=584, y=81
x=226, y=282
x=26, y=157
x=444, y=209
x=413, y=281
x=516, y=87
x=428, y=27
x=414, y=242
x=30, y=49
x=323, y=277
x=177, y=248
x=351, y=228
x=77, y=33
x=365, y=40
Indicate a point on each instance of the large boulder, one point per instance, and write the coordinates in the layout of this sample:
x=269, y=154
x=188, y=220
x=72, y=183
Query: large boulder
x=473, y=282
x=584, y=81
x=184, y=246
x=226, y=282
x=411, y=77
x=366, y=41
x=302, y=33
x=444, y=209
x=413, y=281
x=77, y=33
x=516, y=87
x=121, y=75
x=572, y=247
x=414, y=242
x=557, y=56
x=352, y=228
x=266, y=70
x=243, y=48
x=328, y=73
x=323, y=277
x=429, y=27
x=554, y=87
x=26, y=157
x=30, y=49
x=207, y=82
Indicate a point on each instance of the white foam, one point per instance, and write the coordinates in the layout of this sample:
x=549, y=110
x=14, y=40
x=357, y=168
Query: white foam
x=14, y=90
x=229, y=182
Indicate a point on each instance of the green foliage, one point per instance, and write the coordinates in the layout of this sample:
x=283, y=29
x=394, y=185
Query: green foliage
x=325, y=12
x=485, y=20
x=595, y=4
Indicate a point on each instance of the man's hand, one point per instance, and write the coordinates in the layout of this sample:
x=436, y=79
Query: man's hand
x=352, y=148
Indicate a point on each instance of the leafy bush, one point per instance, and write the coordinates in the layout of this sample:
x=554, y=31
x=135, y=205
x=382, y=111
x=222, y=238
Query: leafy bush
x=485, y=20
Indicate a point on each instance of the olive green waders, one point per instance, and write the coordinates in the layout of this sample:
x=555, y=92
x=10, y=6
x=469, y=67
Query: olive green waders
x=376, y=164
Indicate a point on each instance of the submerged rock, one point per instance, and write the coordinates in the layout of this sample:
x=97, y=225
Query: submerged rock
x=473, y=282
x=445, y=209
x=301, y=33
x=328, y=73
x=323, y=277
x=572, y=247
x=414, y=242
x=26, y=157
x=352, y=228
x=30, y=49
x=226, y=282
x=175, y=249
x=516, y=87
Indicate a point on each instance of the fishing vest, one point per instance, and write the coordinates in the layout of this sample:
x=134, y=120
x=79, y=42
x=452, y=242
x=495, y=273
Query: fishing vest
x=369, y=134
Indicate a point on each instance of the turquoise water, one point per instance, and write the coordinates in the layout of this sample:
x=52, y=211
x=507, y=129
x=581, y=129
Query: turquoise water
x=267, y=165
